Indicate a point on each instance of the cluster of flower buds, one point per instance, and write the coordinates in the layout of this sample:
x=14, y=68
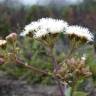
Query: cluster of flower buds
x=79, y=67
x=73, y=69
x=11, y=37
x=64, y=74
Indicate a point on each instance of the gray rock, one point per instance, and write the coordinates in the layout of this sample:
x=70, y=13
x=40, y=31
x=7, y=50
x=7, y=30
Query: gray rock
x=10, y=87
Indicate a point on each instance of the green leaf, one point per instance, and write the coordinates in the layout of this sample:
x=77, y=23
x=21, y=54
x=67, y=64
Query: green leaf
x=68, y=91
x=78, y=93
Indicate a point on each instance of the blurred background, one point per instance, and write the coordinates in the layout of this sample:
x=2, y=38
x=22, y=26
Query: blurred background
x=15, y=14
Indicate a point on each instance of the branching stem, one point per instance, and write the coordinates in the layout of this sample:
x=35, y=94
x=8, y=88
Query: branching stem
x=55, y=65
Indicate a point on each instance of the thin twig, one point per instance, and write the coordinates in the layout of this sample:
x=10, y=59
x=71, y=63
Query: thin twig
x=37, y=70
x=31, y=67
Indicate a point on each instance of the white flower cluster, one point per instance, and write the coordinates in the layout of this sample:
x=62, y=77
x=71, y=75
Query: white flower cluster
x=45, y=26
x=33, y=26
x=80, y=32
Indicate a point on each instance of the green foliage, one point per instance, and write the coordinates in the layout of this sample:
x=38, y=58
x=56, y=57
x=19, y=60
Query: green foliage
x=91, y=61
x=35, y=55
x=4, y=26
x=38, y=60
x=80, y=94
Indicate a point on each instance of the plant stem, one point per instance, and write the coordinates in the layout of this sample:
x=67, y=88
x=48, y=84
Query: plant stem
x=60, y=86
x=54, y=61
x=73, y=48
x=72, y=92
x=74, y=86
x=31, y=67
x=55, y=68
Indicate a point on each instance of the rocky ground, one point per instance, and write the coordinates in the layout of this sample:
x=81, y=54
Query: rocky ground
x=10, y=87
x=16, y=88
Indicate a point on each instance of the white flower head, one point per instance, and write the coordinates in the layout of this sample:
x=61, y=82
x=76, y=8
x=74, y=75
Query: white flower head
x=80, y=32
x=45, y=26
x=53, y=25
x=40, y=33
x=33, y=26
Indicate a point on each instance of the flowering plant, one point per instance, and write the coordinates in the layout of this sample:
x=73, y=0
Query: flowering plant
x=47, y=31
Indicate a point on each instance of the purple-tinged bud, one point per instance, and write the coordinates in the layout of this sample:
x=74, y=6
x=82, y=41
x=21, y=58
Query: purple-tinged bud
x=11, y=37
x=2, y=61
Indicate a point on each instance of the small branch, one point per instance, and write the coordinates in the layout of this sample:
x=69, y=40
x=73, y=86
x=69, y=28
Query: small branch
x=60, y=86
x=53, y=59
x=37, y=70
x=31, y=67
x=73, y=89
x=55, y=68
x=71, y=51
x=18, y=61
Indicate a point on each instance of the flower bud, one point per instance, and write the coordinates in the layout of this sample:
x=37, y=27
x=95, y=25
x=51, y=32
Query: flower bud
x=3, y=44
x=11, y=37
x=1, y=61
x=83, y=57
x=86, y=71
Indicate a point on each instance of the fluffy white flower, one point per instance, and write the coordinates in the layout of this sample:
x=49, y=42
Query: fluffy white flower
x=80, y=32
x=40, y=33
x=53, y=25
x=45, y=26
x=33, y=26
